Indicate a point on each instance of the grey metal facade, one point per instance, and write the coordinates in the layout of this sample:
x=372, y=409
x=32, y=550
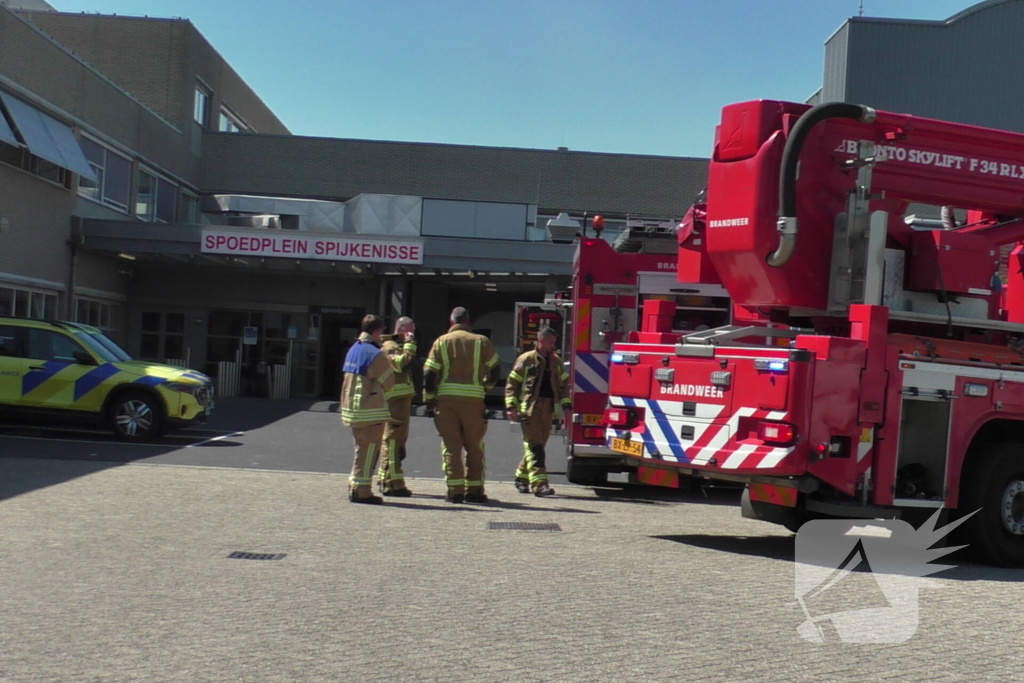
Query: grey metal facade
x=966, y=68
x=329, y=168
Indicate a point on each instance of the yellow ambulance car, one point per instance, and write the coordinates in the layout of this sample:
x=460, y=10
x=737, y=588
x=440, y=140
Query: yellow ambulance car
x=63, y=372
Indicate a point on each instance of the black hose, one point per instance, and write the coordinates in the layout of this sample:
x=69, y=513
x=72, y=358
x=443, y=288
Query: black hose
x=790, y=158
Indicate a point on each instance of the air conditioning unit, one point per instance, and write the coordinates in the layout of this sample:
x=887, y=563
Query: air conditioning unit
x=268, y=221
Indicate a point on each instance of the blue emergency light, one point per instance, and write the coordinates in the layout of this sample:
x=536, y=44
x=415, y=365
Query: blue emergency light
x=771, y=365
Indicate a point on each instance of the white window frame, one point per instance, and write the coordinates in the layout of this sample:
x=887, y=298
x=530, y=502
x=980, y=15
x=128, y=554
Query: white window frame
x=201, y=105
x=106, y=310
x=157, y=178
x=151, y=216
x=101, y=173
x=194, y=218
x=32, y=292
x=230, y=122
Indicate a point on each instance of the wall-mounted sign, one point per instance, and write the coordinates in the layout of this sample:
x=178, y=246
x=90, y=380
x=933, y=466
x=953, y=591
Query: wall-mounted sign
x=320, y=247
x=249, y=335
x=354, y=311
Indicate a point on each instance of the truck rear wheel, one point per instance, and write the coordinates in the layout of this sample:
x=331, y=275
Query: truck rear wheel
x=993, y=484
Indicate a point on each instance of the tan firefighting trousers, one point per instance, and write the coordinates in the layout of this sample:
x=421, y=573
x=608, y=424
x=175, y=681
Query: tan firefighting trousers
x=462, y=425
x=536, y=430
x=392, y=451
x=367, y=438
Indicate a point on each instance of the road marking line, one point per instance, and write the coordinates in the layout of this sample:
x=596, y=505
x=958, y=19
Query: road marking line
x=216, y=438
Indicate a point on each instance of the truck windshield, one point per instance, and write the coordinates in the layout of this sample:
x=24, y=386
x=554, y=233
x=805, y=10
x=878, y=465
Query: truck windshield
x=104, y=347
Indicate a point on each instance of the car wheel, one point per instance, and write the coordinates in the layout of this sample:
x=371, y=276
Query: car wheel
x=135, y=416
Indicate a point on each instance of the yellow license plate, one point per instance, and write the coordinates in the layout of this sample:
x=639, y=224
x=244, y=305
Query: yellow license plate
x=634, y=448
x=591, y=419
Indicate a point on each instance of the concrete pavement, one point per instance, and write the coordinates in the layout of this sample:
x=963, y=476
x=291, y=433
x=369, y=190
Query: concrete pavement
x=121, y=573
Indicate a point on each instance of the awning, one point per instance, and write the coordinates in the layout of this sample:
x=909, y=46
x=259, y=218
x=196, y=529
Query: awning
x=46, y=137
x=6, y=134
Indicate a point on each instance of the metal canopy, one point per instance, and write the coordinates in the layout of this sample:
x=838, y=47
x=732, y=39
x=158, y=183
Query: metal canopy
x=6, y=134
x=46, y=137
x=446, y=253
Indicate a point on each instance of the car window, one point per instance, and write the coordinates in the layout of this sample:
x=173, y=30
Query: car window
x=103, y=347
x=47, y=345
x=8, y=340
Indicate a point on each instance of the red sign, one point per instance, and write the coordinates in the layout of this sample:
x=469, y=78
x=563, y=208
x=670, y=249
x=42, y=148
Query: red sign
x=319, y=246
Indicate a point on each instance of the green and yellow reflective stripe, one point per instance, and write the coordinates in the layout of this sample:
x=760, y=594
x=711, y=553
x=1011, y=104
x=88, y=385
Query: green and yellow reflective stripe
x=387, y=373
x=566, y=402
x=565, y=376
x=464, y=390
x=360, y=481
x=370, y=415
x=493, y=361
x=357, y=394
x=516, y=376
x=401, y=390
x=431, y=364
x=510, y=402
x=429, y=397
x=471, y=482
x=476, y=361
x=447, y=363
x=368, y=464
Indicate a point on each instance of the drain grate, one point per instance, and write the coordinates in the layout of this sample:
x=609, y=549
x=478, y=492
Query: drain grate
x=524, y=526
x=238, y=555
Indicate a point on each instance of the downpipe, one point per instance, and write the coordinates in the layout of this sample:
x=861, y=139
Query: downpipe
x=787, y=225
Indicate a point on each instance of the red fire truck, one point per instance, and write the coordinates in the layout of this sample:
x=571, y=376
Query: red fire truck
x=611, y=281
x=875, y=363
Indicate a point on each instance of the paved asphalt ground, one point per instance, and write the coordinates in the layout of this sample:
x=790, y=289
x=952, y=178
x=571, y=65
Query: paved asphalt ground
x=113, y=573
x=294, y=435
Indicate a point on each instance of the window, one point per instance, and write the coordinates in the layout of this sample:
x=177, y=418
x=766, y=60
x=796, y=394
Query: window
x=189, y=208
x=27, y=303
x=19, y=157
x=105, y=315
x=8, y=340
x=229, y=123
x=113, y=175
x=155, y=198
x=166, y=199
x=145, y=196
x=163, y=336
x=202, y=106
x=47, y=345
x=43, y=145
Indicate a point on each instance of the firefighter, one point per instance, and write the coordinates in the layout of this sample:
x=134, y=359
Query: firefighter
x=400, y=350
x=535, y=392
x=368, y=375
x=459, y=370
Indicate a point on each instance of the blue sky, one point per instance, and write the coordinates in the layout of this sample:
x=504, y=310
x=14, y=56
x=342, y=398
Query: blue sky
x=629, y=76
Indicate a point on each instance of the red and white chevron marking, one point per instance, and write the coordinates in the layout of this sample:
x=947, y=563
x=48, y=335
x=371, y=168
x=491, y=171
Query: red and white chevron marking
x=712, y=441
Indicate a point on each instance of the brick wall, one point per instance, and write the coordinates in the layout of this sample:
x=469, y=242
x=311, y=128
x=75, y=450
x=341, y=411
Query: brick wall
x=36, y=243
x=37, y=63
x=340, y=169
x=157, y=61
